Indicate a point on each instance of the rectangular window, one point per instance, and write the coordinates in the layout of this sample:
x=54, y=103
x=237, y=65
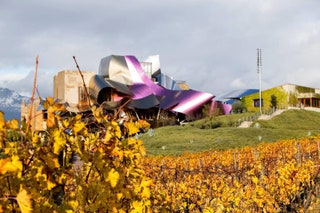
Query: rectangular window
x=82, y=94
x=256, y=102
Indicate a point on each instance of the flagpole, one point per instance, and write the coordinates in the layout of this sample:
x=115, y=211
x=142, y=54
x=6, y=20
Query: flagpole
x=259, y=63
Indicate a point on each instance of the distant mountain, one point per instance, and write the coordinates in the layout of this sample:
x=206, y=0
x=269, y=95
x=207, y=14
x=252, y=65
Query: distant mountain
x=10, y=103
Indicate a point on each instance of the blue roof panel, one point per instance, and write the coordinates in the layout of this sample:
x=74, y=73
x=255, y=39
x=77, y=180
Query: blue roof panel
x=238, y=94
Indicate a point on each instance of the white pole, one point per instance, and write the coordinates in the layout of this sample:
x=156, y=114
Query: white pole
x=259, y=63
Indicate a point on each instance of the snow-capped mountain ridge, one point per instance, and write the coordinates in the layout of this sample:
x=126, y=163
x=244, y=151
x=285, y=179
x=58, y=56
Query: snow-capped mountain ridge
x=10, y=103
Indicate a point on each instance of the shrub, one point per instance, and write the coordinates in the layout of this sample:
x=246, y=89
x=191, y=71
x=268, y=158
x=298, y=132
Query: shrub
x=69, y=168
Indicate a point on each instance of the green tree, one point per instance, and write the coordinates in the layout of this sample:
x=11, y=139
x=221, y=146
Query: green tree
x=238, y=107
x=273, y=102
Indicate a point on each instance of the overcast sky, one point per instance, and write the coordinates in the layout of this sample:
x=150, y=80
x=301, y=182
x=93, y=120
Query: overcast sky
x=211, y=44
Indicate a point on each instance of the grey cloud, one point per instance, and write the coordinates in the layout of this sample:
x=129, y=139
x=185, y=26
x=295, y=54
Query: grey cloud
x=210, y=44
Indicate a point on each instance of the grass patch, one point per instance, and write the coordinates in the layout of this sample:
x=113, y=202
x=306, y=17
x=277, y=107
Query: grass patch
x=232, y=120
x=174, y=140
x=293, y=119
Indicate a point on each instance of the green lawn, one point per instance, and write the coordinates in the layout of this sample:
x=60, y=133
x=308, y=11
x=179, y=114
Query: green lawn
x=220, y=133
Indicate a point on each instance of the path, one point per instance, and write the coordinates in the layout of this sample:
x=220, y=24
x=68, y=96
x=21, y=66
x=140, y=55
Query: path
x=246, y=124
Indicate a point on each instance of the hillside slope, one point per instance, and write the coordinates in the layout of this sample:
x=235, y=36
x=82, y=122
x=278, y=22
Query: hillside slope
x=290, y=124
x=293, y=119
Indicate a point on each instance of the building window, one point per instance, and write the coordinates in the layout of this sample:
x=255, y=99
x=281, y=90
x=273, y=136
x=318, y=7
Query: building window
x=82, y=94
x=256, y=102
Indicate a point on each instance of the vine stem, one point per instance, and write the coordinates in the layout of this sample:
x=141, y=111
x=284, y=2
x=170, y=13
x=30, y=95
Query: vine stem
x=87, y=177
x=84, y=83
x=32, y=100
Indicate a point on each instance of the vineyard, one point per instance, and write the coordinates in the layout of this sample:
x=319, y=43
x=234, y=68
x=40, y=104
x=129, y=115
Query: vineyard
x=278, y=177
x=92, y=163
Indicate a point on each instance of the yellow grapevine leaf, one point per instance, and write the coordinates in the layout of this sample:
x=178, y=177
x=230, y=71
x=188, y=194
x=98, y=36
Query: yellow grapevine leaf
x=65, y=123
x=119, y=196
x=113, y=177
x=2, y=120
x=3, y=163
x=120, y=211
x=59, y=142
x=74, y=204
x=12, y=124
x=49, y=102
x=137, y=206
x=97, y=113
x=50, y=118
x=15, y=165
x=118, y=131
x=208, y=210
x=113, y=131
x=35, y=138
x=143, y=124
x=50, y=184
x=59, y=107
x=51, y=160
x=24, y=201
x=255, y=180
x=145, y=192
x=132, y=127
x=40, y=175
x=78, y=117
x=78, y=127
x=62, y=179
x=108, y=136
x=142, y=150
